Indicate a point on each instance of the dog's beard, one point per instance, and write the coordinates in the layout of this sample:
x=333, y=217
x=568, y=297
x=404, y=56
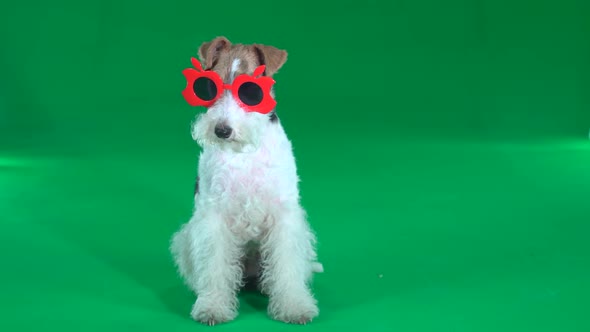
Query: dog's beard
x=245, y=137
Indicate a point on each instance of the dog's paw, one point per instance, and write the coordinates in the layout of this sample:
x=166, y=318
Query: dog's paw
x=300, y=310
x=317, y=267
x=212, y=312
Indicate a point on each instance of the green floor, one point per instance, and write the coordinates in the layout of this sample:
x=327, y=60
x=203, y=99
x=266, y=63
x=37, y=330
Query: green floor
x=443, y=152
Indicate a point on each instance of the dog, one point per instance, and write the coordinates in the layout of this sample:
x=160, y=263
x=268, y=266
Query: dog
x=247, y=221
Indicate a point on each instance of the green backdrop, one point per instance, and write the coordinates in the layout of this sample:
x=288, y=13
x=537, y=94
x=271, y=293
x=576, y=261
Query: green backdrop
x=442, y=146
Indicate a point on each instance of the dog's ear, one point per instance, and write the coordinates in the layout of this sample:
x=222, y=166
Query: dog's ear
x=270, y=56
x=209, y=51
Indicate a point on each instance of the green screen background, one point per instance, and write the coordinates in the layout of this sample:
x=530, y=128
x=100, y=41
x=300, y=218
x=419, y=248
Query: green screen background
x=442, y=146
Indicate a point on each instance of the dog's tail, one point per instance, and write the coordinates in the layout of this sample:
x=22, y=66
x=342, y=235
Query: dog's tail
x=317, y=267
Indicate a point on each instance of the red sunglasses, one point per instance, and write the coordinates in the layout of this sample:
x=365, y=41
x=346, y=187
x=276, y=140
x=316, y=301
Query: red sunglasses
x=204, y=87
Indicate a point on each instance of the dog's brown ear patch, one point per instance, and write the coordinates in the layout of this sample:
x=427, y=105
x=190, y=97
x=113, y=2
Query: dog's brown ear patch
x=270, y=56
x=209, y=51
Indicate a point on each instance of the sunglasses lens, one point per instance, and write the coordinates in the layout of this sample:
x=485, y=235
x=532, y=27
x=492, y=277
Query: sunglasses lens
x=250, y=94
x=205, y=88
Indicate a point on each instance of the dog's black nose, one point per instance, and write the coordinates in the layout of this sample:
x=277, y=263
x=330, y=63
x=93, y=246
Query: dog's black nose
x=223, y=131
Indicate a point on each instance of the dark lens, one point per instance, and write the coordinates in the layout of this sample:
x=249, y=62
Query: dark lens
x=250, y=93
x=204, y=88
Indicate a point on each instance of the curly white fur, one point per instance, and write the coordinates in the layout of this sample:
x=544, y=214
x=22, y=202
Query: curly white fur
x=247, y=220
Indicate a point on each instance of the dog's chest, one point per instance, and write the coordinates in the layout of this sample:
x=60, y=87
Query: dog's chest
x=247, y=177
x=245, y=187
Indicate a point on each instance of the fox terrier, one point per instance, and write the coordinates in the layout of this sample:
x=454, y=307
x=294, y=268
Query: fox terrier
x=247, y=220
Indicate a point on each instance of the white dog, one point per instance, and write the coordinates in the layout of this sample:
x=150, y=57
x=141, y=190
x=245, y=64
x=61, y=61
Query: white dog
x=247, y=219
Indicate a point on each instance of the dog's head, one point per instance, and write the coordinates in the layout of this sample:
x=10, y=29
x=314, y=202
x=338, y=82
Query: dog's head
x=227, y=124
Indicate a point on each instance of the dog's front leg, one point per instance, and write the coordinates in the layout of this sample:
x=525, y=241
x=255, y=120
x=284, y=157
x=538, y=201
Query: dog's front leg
x=288, y=253
x=218, y=274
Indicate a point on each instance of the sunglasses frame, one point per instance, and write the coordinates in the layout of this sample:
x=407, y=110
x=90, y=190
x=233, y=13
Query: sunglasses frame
x=266, y=105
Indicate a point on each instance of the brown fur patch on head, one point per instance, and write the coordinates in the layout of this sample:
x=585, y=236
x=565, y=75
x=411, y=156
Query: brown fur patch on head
x=219, y=55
